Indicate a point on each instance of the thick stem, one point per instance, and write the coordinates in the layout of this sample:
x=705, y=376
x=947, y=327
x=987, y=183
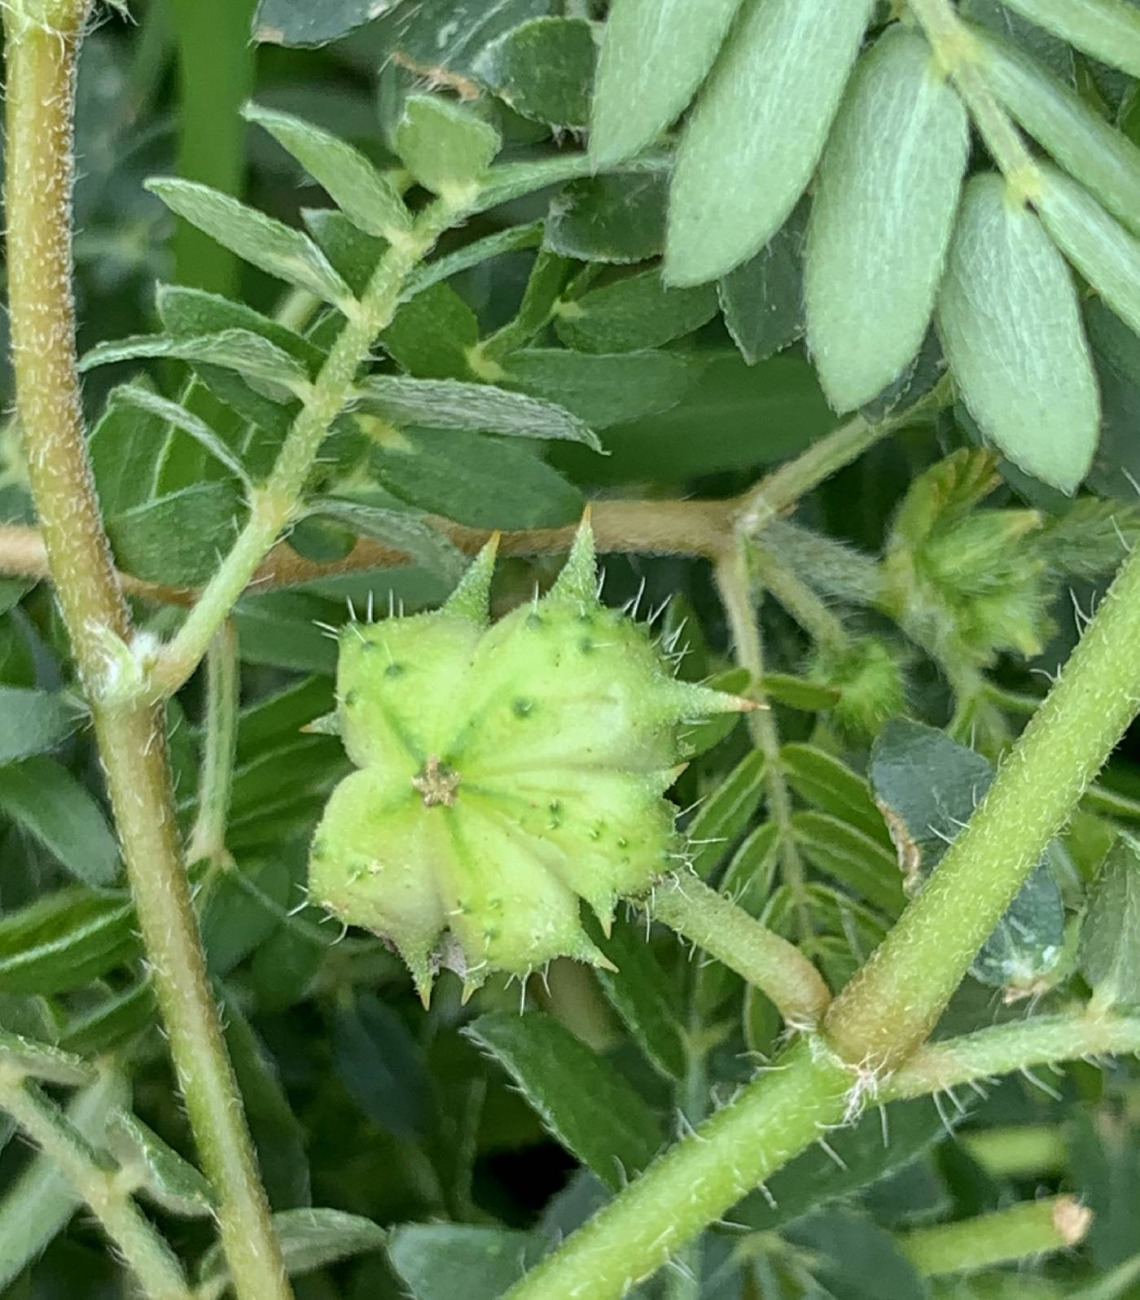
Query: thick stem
x=713, y=922
x=1021, y=1232
x=891, y=1005
x=274, y=504
x=696, y=1181
x=132, y=745
x=143, y=1250
x=208, y=838
x=1004, y=1048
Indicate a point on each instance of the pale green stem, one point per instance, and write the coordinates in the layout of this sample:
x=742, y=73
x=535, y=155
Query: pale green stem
x=734, y=584
x=1004, y=1048
x=1021, y=1232
x=274, y=504
x=775, y=966
x=143, y=1250
x=958, y=53
x=208, y=838
x=800, y=601
x=696, y=1181
x=41, y=50
x=780, y=490
x=891, y=1005
x=1018, y=1150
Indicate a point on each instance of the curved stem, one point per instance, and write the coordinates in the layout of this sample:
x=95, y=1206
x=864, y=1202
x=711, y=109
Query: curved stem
x=144, y=1251
x=713, y=922
x=1004, y=1048
x=41, y=50
x=1021, y=1232
x=799, y=600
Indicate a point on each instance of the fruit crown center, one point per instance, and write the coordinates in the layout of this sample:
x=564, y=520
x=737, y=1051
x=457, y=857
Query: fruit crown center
x=436, y=782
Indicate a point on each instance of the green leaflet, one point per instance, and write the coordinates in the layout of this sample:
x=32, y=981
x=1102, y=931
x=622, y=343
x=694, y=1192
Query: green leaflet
x=64, y=940
x=632, y=314
x=445, y=147
x=1009, y=321
x=881, y=218
x=1106, y=162
x=1109, y=956
x=164, y=1176
x=543, y=69
x=757, y=131
x=368, y=199
x=276, y=249
x=43, y=1061
x=654, y=55
x=1104, y=252
x=299, y=22
x=1109, y=30
x=33, y=721
x=310, y=1239
x=762, y=300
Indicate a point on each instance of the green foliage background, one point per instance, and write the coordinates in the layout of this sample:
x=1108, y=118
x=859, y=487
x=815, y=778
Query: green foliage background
x=944, y=578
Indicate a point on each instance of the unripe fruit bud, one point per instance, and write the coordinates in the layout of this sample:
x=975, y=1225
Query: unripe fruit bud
x=871, y=683
x=506, y=773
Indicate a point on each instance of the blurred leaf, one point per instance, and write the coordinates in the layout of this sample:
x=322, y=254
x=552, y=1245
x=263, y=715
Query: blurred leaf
x=439, y=1261
x=654, y=55
x=544, y=69
x=1116, y=355
x=1109, y=956
x=879, y=1143
x=1109, y=30
x=299, y=22
x=883, y=209
x=854, y=859
x=853, y=1259
x=632, y=314
x=45, y=800
x=799, y=693
x=748, y=416
x=928, y=787
x=603, y=390
x=111, y=1023
x=483, y=408
x=762, y=299
x=578, y=1096
x=277, y=249
x=43, y=1061
x=34, y=721
x=178, y=417
x=614, y=218
x=249, y=354
x=176, y=539
x=1057, y=55
x=40, y=1202
x=164, y=1176
x=444, y=145
x=724, y=814
x=1008, y=319
x=64, y=940
x=442, y=39
x=824, y=781
x=310, y=1239
x=755, y=135
x=643, y=996
x=461, y=476
x=407, y=531
x=366, y=197
x=382, y=1066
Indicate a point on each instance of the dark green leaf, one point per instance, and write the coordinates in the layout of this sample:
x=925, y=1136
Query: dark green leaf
x=828, y=784
x=853, y=1259
x=603, y=390
x=432, y=334
x=701, y=738
x=544, y=69
x=45, y=800
x=381, y=1066
x=616, y=218
x=111, y=1023
x=854, y=859
x=763, y=299
x=443, y=38
x=439, y=1261
x=632, y=314
x=1109, y=30
x=64, y=940
x=1109, y=955
x=580, y=1098
x=402, y=529
x=725, y=813
x=34, y=721
x=461, y=476
x=300, y=22
x=176, y=539
x=310, y=1239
